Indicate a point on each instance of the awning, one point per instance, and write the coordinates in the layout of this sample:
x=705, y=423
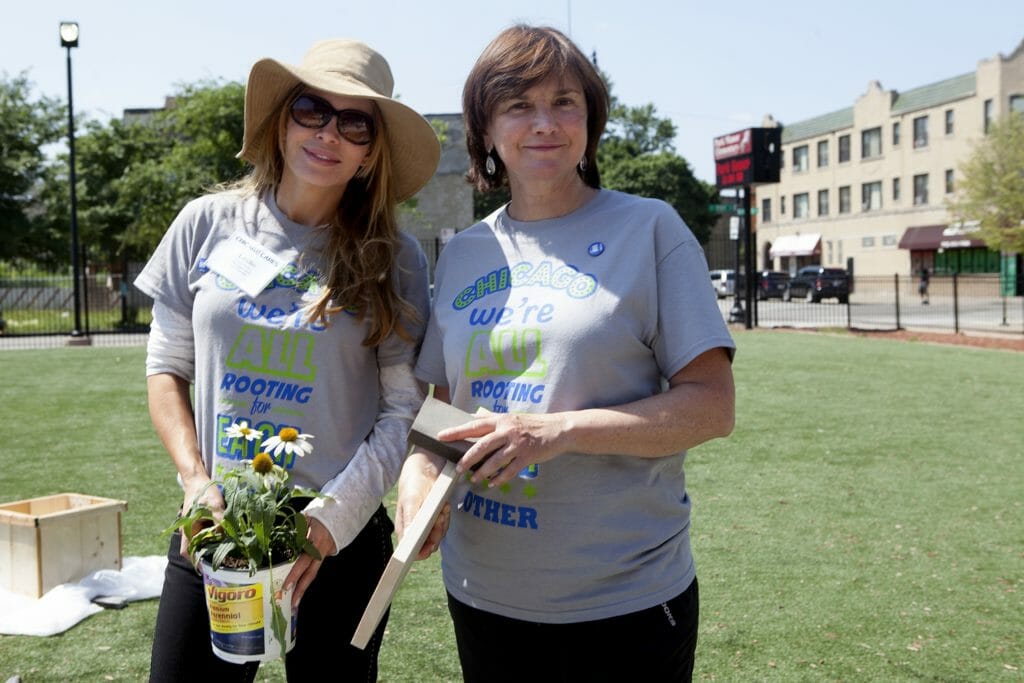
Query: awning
x=935, y=237
x=796, y=245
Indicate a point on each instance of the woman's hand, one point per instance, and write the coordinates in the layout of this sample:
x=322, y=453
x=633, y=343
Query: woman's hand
x=418, y=476
x=507, y=443
x=202, y=490
x=699, y=406
x=306, y=568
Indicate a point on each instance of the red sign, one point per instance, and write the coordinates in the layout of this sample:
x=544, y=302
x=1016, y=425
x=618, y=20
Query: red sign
x=734, y=171
x=733, y=145
x=748, y=156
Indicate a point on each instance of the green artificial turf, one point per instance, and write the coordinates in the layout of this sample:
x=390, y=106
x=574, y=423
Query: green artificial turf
x=862, y=523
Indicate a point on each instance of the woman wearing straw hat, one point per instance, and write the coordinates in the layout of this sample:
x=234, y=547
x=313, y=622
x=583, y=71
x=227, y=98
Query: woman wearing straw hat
x=292, y=300
x=582, y=320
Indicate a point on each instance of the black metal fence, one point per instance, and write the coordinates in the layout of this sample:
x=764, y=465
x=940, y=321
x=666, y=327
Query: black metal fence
x=956, y=303
x=37, y=309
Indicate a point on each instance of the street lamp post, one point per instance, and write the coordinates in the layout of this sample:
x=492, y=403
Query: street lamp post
x=69, y=39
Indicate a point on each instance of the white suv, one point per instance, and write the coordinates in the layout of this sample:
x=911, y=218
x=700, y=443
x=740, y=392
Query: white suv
x=723, y=282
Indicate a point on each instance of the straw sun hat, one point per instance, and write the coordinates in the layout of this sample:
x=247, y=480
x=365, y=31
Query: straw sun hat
x=351, y=69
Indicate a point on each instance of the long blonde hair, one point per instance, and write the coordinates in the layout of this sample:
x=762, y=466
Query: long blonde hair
x=363, y=237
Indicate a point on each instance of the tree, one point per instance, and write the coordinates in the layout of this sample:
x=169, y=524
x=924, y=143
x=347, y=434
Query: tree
x=26, y=127
x=133, y=178
x=637, y=155
x=203, y=125
x=632, y=131
x=992, y=188
x=668, y=177
x=106, y=156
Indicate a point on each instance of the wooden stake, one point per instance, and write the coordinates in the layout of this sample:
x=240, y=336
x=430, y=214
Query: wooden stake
x=404, y=556
x=433, y=417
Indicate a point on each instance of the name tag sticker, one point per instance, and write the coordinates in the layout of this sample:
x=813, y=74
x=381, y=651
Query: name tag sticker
x=246, y=263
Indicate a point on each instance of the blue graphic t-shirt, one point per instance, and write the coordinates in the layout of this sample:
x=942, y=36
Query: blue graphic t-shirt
x=593, y=309
x=257, y=359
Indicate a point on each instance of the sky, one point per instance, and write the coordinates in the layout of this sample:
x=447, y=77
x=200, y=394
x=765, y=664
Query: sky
x=711, y=67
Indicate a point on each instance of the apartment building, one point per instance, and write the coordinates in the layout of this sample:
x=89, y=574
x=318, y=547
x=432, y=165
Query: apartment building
x=870, y=182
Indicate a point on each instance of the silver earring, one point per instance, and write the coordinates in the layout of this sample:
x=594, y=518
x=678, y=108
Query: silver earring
x=583, y=165
x=489, y=165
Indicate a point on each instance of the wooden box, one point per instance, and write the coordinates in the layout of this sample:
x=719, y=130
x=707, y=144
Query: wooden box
x=57, y=539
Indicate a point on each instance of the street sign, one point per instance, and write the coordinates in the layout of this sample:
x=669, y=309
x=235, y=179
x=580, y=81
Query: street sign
x=730, y=208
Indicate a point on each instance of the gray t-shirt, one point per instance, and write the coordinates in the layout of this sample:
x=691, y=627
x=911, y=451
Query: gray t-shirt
x=596, y=308
x=256, y=359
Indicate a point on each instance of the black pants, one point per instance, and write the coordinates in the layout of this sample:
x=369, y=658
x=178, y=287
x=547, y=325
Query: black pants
x=652, y=645
x=328, y=615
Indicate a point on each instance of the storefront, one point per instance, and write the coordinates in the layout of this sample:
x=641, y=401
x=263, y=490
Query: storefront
x=795, y=251
x=947, y=249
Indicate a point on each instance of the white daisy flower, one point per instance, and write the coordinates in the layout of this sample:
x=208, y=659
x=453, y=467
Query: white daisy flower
x=241, y=429
x=289, y=441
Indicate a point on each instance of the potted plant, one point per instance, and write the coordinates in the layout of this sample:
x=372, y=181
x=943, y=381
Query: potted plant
x=246, y=553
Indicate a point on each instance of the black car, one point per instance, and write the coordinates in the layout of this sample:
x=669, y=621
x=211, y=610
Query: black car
x=771, y=284
x=814, y=283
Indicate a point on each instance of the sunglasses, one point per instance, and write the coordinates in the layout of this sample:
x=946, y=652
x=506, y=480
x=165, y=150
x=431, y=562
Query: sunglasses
x=310, y=111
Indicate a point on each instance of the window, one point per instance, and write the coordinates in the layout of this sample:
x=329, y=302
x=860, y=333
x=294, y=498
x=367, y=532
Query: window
x=822, y=202
x=871, y=143
x=949, y=122
x=920, y=132
x=801, y=159
x=844, y=148
x=766, y=210
x=782, y=205
x=895, y=190
x=987, y=116
x=844, y=199
x=871, y=196
x=823, y=154
x=889, y=240
x=867, y=241
x=949, y=181
x=896, y=134
x=1017, y=103
x=801, y=205
x=920, y=189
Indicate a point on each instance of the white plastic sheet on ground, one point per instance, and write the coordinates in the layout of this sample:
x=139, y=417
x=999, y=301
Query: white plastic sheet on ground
x=62, y=607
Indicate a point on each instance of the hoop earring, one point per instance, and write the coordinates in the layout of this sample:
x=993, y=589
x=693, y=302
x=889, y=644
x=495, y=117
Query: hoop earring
x=489, y=164
x=583, y=165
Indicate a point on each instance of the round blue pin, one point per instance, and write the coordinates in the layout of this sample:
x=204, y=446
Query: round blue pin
x=595, y=249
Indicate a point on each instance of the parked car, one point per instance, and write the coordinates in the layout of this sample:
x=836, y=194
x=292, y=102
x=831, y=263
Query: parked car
x=723, y=282
x=814, y=283
x=771, y=284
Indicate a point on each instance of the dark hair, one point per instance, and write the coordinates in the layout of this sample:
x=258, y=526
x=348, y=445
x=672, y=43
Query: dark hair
x=519, y=58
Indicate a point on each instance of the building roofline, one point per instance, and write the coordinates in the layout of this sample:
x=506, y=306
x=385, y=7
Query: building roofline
x=922, y=97
x=818, y=125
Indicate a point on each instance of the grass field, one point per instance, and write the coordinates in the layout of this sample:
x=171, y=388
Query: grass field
x=863, y=522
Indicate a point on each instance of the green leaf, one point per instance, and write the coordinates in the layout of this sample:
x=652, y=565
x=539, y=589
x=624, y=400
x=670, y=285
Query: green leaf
x=278, y=624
